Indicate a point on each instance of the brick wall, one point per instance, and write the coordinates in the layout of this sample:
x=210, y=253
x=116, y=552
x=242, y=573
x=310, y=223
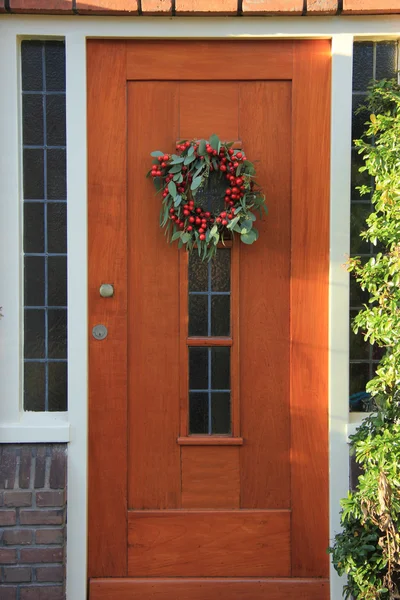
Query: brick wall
x=32, y=521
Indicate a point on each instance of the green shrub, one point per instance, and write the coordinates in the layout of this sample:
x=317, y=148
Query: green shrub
x=368, y=548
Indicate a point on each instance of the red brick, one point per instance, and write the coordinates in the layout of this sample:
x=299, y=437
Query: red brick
x=370, y=7
x=8, y=463
x=206, y=7
x=17, y=498
x=7, y=556
x=109, y=7
x=1, y=493
x=7, y=518
x=25, y=467
x=17, y=537
x=49, y=7
x=50, y=574
x=50, y=536
x=41, y=517
x=272, y=7
x=42, y=555
x=50, y=498
x=157, y=7
x=9, y=592
x=58, y=468
x=53, y=592
x=17, y=574
x=40, y=467
x=322, y=7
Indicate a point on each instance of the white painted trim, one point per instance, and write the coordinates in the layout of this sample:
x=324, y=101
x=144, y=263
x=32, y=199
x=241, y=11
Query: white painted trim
x=341, y=109
x=35, y=428
x=77, y=314
x=76, y=30
x=203, y=27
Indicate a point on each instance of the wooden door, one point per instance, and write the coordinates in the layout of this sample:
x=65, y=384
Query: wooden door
x=208, y=437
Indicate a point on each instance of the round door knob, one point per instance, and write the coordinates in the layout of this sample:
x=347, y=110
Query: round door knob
x=106, y=290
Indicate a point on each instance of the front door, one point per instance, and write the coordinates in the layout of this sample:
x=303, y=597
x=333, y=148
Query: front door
x=208, y=442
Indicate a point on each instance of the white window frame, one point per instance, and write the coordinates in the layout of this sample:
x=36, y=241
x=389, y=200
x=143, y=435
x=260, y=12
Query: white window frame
x=17, y=426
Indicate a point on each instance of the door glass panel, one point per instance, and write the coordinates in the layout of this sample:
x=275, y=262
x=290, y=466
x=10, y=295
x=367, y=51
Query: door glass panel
x=209, y=295
x=209, y=390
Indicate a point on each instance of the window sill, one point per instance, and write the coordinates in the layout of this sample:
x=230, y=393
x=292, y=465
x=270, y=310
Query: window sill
x=193, y=440
x=355, y=420
x=37, y=428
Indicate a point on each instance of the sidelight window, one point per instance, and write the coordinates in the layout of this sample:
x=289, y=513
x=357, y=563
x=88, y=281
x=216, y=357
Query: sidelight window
x=45, y=225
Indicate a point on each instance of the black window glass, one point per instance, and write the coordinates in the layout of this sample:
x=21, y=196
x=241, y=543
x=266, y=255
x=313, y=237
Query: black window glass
x=45, y=225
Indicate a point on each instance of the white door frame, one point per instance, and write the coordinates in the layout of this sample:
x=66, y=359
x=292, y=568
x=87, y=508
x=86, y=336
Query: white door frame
x=14, y=426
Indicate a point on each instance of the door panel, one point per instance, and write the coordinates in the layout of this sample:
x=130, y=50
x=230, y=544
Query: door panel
x=209, y=543
x=162, y=502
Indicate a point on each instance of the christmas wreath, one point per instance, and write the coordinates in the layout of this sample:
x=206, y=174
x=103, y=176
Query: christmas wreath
x=182, y=175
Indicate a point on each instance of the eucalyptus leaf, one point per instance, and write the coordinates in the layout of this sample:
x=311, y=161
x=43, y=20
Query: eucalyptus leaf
x=191, y=151
x=175, y=236
x=201, y=150
x=157, y=153
x=189, y=159
x=175, y=169
x=215, y=142
x=178, y=200
x=172, y=189
x=196, y=183
x=249, y=238
x=185, y=237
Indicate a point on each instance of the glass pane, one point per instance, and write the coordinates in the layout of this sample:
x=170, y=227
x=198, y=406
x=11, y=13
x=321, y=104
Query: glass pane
x=56, y=175
x=363, y=53
x=58, y=386
x=359, y=377
x=359, y=350
x=57, y=227
x=198, y=315
x=34, y=386
x=34, y=281
x=57, y=283
x=221, y=271
x=55, y=66
x=198, y=368
x=211, y=196
x=220, y=412
x=34, y=333
x=33, y=174
x=359, y=212
x=220, y=368
x=220, y=316
x=198, y=412
x=32, y=117
x=57, y=332
x=359, y=119
x=198, y=274
x=32, y=66
x=33, y=227
x=357, y=178
x=386, y=60
x=55, y=120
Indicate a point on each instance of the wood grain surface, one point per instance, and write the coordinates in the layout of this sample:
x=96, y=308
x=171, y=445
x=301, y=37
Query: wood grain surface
x=208, y=543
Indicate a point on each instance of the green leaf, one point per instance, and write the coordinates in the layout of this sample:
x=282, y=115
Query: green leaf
x=250, y=237
x=201, y=150
x=189, y=159
x=175, y=169
x=172, y=189
x=176, y=235
x=197, y=181
x=191, y=151
x=234, y=221
x=157, y=153
x=178, y=200
x=185, y=237
x=215, y=142
x=176, y=160
x=214, y=230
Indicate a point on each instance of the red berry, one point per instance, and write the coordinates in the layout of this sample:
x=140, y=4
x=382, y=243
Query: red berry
x=165, y=157
x=223, y=214
x=198, y=221
x=230, y=217
x=208, y=215
x=198, y=210
x=235, y=190
x=222, y=168
x=218, y=220
x=239, y=181
x=230, y=152
x=228, y=192
x=239, y=155
x=190, y=228
x=172, y=210
x=192, y=220
x=186, y=213
x=224, y=222
x=202, y=237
